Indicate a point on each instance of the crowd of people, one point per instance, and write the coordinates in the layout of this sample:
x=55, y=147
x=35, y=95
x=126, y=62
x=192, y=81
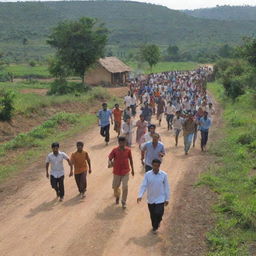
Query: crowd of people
x=179, y=97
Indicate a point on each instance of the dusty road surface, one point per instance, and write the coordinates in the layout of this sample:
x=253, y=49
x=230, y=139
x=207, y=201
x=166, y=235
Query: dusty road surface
x=34, y=223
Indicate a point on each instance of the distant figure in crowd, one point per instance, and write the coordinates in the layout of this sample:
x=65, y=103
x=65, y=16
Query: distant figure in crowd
x=177, y=126
x=160, y=109
x=82, y=163
x=55, y=160
x=141, y=129
x=117, y=113
x=156, y=184
x=189, y=127
x=152, y=150
x=205, y=123
x=104, y=117
x=127, y=131
x=120, y=158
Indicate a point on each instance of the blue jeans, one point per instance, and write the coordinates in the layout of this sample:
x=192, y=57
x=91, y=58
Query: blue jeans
x=188, y=141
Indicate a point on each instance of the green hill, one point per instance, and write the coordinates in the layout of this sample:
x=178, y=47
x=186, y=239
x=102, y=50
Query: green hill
x=225, y=13
x=130, y=23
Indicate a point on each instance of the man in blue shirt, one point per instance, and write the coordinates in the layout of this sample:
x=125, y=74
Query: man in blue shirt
x=104, y=117
x=158, y=192
x=205, y=123
x=152, y=150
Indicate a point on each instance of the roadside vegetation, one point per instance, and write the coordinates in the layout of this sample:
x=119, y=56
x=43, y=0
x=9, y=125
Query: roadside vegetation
x=233, y=177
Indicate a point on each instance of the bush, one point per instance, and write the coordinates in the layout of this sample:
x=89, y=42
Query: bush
x=233, y=87
x=32, y=63
x=61, y=86
x=6, y=105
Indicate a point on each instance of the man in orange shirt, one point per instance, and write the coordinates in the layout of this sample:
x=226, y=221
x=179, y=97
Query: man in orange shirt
x=120, y=158
x=80, y=160
x=117, y=112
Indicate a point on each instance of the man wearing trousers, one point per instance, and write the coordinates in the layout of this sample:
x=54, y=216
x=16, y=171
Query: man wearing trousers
x=104, y=117
x=205, y=124
x=158, y=193
x=82, y=163
x=55, y=160
x=120, y=158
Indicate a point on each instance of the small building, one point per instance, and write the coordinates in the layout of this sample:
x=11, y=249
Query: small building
x=108, y=71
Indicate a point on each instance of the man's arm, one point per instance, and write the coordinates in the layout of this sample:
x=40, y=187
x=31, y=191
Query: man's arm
x=166, y=190
x=71, y=167
x=89, y=164
x=47, y=169
x=131, y=163
x=143, y=188
x=143, y=150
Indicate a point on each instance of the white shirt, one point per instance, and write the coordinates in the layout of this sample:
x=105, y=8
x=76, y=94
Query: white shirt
x=177, y=123
x=170, y=110
x=56, y=162
x=133, y=100
x=127, y=100
x=157, y=187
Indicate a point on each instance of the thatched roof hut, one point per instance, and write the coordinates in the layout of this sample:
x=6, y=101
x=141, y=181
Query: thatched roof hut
x=108, y=71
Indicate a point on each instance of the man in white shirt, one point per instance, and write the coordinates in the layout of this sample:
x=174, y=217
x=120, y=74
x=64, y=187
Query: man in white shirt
x=152, y=150
x=127, y=100
x=158, y=193
x=177, y=126
x=55, y=159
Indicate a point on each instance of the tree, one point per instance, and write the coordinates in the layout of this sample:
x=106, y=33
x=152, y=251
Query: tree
x=79, y=44
x=173, y=52
x=151, y=54
x=248, y=50
x=226, y=51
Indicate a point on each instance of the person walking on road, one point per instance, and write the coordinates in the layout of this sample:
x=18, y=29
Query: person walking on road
x=55, y=160
x=156, y=184
x=104, y=117
x=205, y=123
x=121, y=160
x=177, y=126
x=189, y=127
x=81, y=161
x=152, y=150
x=117, y=113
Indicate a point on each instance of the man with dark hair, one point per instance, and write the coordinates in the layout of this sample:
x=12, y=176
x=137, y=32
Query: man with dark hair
x=55, y=159
x=119, y=159
x=104, y=117
x=205, y=124
x=152, y=150
x=158, y=192
x=81, y=161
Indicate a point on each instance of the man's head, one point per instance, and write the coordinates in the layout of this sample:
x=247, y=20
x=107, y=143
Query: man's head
x=156, y=165
x=104, y=106
x=178, y=113
x=205, y=114
x=152, y=128
x=55, y=147
x=122, y=142
x=142, y=118
x=117, y=106
x=155, y=137
x=80, y=146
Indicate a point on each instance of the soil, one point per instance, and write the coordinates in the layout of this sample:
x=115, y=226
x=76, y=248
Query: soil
x=34, y=223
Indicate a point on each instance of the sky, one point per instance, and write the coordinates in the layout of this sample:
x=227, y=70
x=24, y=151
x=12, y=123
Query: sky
x=195, y=4
x=181, y=4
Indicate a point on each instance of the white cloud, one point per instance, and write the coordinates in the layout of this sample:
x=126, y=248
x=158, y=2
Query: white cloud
x=194, y=4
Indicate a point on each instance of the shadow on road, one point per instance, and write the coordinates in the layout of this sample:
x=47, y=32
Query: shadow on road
x=148, y=240
x=112, y=212
x=43, y=207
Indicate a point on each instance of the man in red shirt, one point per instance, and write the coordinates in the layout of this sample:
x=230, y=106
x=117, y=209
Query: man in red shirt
x=119, y=158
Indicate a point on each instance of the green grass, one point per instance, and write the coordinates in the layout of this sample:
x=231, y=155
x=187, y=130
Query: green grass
x=234, y=178
x=165, y=66
x=25, y=70
x=31, y=102
x=37, y=142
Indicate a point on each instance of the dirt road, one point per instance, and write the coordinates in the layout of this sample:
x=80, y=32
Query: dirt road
x=34, y=223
